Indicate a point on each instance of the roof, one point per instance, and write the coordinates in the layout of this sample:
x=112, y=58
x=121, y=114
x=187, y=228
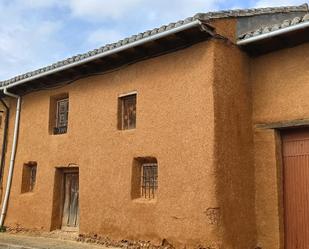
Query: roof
x=86, y=57
x=268, y=29
x=251, y=12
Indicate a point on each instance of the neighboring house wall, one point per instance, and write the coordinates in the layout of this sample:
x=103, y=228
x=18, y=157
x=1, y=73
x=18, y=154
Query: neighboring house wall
x=280, y=94
x=175, y=124
x=234, y=146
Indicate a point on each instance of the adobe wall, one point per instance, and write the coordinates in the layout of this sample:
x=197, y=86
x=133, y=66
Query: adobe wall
x=280, y=95
x=234, y=146
x=175, y=124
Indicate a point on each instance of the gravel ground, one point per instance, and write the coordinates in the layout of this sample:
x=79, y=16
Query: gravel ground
x=37, y=239
x=14, y=241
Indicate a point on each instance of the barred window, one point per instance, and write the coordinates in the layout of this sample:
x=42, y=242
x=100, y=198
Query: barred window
x=62, y=113
x=127, y=112
x=29, y=177
x=149, y=180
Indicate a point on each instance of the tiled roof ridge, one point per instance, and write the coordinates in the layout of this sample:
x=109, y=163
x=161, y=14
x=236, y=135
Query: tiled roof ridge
x=267, y=29
x=252, y=12
x=148, y=33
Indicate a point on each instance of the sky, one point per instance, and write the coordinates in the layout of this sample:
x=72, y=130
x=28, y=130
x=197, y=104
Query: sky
x=35, y=33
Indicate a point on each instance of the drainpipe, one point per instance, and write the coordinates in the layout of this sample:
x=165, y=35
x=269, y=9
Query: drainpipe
x=4, y=140
x=13, y=153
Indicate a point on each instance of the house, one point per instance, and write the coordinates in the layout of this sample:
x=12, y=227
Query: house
x=194, y=132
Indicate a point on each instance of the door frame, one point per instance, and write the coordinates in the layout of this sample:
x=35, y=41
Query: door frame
x=59, y=197
x=64, y=172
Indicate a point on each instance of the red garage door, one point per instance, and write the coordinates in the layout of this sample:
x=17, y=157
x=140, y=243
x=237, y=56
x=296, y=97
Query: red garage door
x=296, y=188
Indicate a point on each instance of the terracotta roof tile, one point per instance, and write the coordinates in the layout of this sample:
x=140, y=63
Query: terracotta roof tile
x=275, y=27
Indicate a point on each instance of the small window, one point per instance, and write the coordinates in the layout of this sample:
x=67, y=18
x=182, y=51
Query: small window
x=1, y=119
x=149, y=180
x=29, y=177
x=59, y=113
x=127, y=112
x=144, y=178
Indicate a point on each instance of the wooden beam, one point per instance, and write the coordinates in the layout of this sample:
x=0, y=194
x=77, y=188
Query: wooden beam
x=283, y=124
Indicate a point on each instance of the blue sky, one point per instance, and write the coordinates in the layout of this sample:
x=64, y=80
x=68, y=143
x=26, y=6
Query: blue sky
x=35, y=33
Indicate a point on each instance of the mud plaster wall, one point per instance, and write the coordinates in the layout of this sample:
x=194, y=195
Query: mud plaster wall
x=234, y=146
x=268, y=194
x=225, y=28
x=280, y=93
x=174, y=124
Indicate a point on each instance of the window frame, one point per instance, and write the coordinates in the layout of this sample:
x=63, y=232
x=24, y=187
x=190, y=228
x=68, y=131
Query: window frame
x=59, y=120
x=151, y=177
x=29, y=177
x=122, y=123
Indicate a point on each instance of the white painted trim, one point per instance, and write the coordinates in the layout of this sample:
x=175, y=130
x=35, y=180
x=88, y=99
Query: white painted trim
x=127, y=94
x=274, y=33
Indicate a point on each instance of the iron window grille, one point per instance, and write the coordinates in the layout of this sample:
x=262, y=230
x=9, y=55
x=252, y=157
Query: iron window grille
x=62, y=114
x=29, y=177
x=32, y=170
x=128, y=112
x=149, y=180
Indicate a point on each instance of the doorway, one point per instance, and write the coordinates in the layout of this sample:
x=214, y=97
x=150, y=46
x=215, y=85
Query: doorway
x=70, y=213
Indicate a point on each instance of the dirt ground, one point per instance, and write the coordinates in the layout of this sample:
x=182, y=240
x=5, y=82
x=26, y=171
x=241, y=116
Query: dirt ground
x=18, y=241
x=68, y=240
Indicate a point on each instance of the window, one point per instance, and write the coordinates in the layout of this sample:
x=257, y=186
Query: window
x=59, y=113
x=29, y=177
x=1, y=118
x=127, y=112
x=144, y=178
x=149, y=180
x=62, y=116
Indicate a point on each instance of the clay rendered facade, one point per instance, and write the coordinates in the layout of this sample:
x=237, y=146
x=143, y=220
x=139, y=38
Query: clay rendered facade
x=183, y=144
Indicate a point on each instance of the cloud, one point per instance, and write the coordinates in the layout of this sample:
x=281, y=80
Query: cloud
x=100, y=37
x=25, y=43
x=94, y=10
x=40, y=3
x=98, y=10
x=272, y=3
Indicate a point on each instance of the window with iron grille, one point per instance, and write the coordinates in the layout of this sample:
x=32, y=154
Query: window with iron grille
x=149, y=179
x=127, y=112
x=29, y=177
x=62, y=114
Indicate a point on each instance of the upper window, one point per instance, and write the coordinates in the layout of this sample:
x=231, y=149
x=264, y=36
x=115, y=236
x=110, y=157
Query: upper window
x=59, y=114
x=127, y=112
x=29, y=177
x=62, y=115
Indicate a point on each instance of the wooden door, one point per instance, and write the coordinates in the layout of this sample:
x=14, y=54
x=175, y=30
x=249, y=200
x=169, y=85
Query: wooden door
x=70, y=214
x=296, y=188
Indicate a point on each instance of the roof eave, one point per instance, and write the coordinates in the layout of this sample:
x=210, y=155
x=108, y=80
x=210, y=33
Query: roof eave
x=272, y=34
x=195, y=23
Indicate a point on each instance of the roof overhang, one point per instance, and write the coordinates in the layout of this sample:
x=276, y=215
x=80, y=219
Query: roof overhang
x=154, y=45
x=285, y=37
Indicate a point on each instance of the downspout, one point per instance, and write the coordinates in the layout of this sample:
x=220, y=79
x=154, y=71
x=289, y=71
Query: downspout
x=13, y=153
x=4, y=140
